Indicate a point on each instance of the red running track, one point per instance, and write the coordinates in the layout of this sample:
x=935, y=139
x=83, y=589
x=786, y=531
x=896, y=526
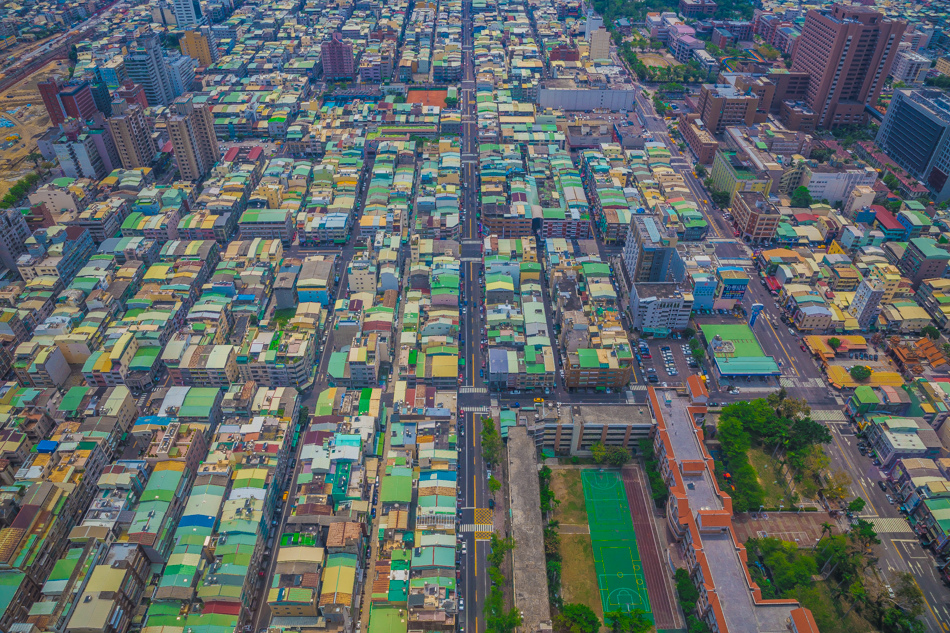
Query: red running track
x=654, y=570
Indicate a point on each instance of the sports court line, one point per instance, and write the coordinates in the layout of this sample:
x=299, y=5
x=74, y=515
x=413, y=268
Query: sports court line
x=617, y=562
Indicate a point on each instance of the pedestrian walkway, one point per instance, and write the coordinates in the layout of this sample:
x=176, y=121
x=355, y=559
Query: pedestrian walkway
x=470, y=389
x=477, y=527
x=477, y=410
x=807, y=383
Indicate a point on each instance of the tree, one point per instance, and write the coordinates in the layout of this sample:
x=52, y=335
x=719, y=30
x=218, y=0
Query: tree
x=701, y=171
x=73, y=54
x=856, y=505
x=493, y=485
x=801, y=197
x=930, y=332
x=688, y=334
x=577, y=618
x=634, y=621
x=907, y=594
x=35, y=158
x=491, y=441
x=834, y=343
x=599, y=452
x=617, y=455
x=826, y=528
x=946, y=348
x=836, y=485
x=860, y=373
x=720, y=198
x=864, y=534
x=699, y=354
x=877, y=338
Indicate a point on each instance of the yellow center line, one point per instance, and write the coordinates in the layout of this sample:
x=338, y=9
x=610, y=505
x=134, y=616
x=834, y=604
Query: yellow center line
x=867, y=496
x=787, y=355
x=896, y=549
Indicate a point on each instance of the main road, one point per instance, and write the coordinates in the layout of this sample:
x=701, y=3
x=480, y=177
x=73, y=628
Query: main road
x=473, y=396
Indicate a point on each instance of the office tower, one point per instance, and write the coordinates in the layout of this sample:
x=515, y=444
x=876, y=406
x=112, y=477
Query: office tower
x=337, y=58
x=867, y=303
x=131, y=135
x=848, y=51
x=146, y=66
x=13, y=235
x=648, y=254
x=181, y=71
x=200, y=45
x=721, y=106
x=191, y=129
x=600, y=44
x=73, y=99
x=923, y=259
x=915, y=134
x=188, y=13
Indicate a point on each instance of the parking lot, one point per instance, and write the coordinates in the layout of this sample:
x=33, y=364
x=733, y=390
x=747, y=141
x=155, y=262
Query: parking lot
x=669, y=360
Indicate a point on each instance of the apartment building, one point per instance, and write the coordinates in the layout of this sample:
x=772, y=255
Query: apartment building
x=756, y=218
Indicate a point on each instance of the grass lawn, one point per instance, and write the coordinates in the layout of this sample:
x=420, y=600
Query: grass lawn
x=282, y=317
x=568, y=488
x=578, y=573
x=829, y=614
x=770, y=479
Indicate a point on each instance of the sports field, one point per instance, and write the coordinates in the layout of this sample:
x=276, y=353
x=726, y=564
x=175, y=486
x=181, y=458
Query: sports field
x=619, y=570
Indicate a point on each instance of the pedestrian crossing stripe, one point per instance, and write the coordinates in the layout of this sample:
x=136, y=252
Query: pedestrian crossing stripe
x=825, y=415
x=638, y=388
x=890, y=525
x=477, y=410
x=469, y=389
x=477, y=527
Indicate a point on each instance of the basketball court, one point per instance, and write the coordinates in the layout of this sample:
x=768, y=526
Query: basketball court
x=619, y=569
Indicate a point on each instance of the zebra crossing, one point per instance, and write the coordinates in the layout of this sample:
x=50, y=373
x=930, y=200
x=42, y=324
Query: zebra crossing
x=477, y=410
x=889, y=525
x=736, y=262
x=828, y=415
x=469, y=389
x=638, y=387
x=477, y=527
x=805, y=383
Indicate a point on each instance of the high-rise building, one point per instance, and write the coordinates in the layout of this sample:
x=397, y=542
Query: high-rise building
x=191, y=130
x=923, y=259
x=721, y=106
x=756, y=218
x=101, y=96
x=848, y=51
x=648, y=254
x=72, y=99
x=130, y=132
x=915, y=134
x=909, y=66
x=593, y=23
x=146, y=66
x=82, y=153
x=13, y=235
x=133, y=94
x=200, y=45
x=337, y=59
x=867, y=302
x=188, y=13
x=600, y=44
x=181, y=71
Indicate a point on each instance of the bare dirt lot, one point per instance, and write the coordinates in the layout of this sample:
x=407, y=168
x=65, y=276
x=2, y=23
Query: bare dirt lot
x=24, y=119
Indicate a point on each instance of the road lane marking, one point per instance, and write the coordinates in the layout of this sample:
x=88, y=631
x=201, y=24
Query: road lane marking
x=922, y=594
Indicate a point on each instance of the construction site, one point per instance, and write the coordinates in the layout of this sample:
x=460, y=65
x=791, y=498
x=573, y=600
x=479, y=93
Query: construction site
x=23, y=119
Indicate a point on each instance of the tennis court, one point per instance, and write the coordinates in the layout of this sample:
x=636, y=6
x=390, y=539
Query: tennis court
x=619, y=570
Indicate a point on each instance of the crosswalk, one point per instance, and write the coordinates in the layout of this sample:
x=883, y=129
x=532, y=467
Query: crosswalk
x=807, y=383
x=736, y=262
x=477, y=527
x=477, y=410
x=828, y=415
x=889, y=525
x=469, y=389
x=638, y=387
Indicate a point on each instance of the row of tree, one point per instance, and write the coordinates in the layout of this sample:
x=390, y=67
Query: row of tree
x=19, y=190
x=498, y=617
